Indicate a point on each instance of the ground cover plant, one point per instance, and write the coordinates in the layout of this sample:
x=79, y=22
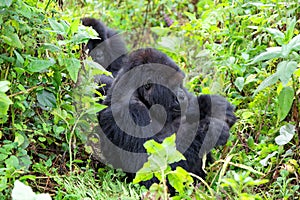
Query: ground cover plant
x=244, y=50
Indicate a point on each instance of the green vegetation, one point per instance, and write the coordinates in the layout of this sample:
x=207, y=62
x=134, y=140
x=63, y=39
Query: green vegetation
x=247, y=51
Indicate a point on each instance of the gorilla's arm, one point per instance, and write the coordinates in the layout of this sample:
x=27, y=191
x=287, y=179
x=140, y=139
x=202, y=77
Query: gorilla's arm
x=212, y=106
x=111, y=54
x=218, y=107
x=99, y=27
x=119, y=136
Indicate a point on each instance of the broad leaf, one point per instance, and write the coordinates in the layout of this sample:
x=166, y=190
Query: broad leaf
x=285, y=70
x=4, y=104
x=295, y=43
x=278, y=35
x=287, y=133
x=13, y=40
x=180, y=179
x=57, y=27
x=266, y=83
x=46, y=99
x=40, y=65
x=285, y=101
x=4, y=86
x=73, y=65
x=273, y=52
x=5, y=3
x=239, y=83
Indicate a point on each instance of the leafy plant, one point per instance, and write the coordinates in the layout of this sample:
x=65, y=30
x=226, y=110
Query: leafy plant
x=240, y=183
x=285, y=69
x=158, y=165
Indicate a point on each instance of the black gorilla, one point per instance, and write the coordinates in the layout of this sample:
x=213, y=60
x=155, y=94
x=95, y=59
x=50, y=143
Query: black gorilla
x=147, y=101
x=109, y=50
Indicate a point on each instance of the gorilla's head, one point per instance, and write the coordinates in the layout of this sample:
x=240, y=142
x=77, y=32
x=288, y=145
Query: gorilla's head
x=151, y=79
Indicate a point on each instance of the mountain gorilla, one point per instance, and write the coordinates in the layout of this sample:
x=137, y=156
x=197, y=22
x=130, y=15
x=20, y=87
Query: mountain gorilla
x=147, y=101
x=108, y=50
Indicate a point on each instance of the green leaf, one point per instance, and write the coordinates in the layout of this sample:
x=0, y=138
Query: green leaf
x=5, y=3
x=50, y=47
x=273, y=52
x=267, y=82
x=144, y=174
x=95, y=109
x=294, y=44
x=180, y=179
x=160, y=156
x=58, y=27
x=4, y=86
x=19, y=139
x=12, y=162
x=239, y=83
x=73, y=65
x=40, y=65
x=46, y=99
x=287, y=133
x=285, y=70
x=278, y=35
x=4, y=104
x=285, y=101
x=13, y=40
x=290, y=30
x=19, y=57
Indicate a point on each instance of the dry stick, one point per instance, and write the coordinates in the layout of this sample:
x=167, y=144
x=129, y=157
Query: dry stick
x=23, y=92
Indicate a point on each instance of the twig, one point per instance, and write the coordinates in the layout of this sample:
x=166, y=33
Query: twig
x=23, y=92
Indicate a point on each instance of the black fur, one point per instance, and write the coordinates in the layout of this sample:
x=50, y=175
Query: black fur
x=137, y=96
x=109, y=50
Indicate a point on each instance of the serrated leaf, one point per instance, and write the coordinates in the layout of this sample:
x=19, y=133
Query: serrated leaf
x=285, y=101
x=144, y=174
x=285, y=70
x=273, y=52
x=287, y=133
x=239, y=83
x=46, y=99
x=153, y=147
x=40, y=65
x=180, y=179
x=73, y=65
x=4, y=86
x=266, y=83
